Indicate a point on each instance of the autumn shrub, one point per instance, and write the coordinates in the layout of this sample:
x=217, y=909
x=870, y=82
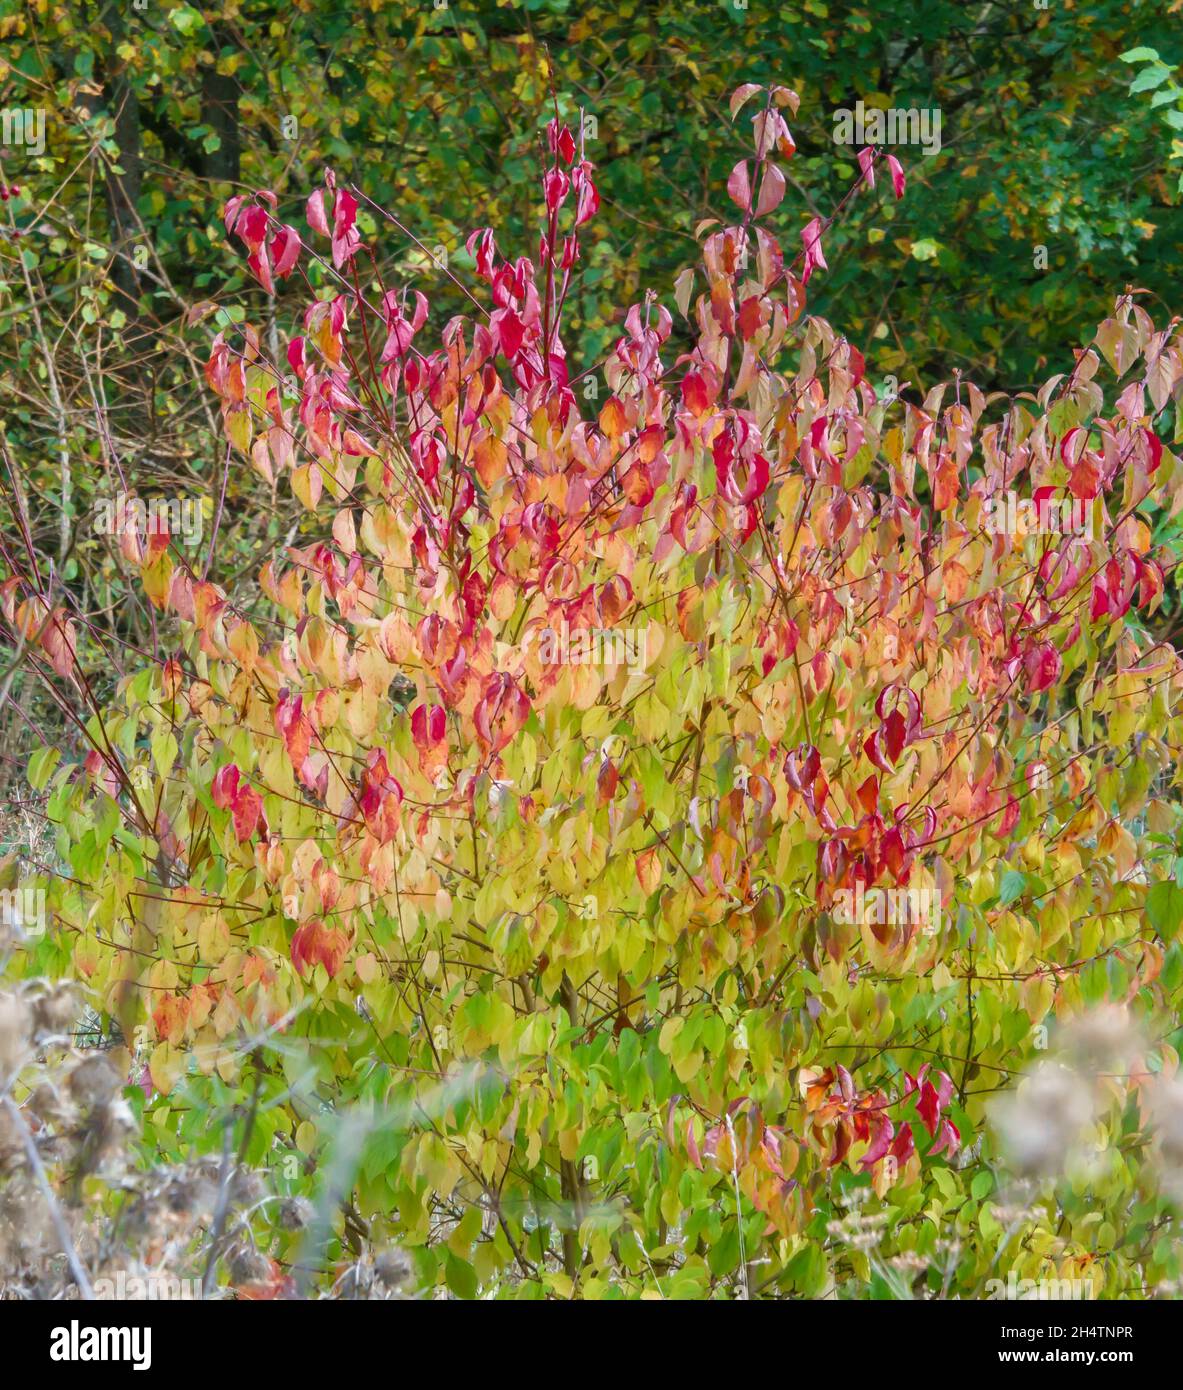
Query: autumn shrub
x=659, y=807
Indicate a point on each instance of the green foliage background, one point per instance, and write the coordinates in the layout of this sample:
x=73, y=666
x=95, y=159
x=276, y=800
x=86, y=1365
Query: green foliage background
x=438, y=112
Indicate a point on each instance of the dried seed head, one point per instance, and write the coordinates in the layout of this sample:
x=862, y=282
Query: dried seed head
x=1166, y=1112
x=93, y=1081
x=48, y=1103
x=1042, y=1121
x=105, y=1147
x=11, y=1141
x=16, y=1024
x=1102, y=1041
x=295, y=1213
x=247, y=1187
x=189, y=1192
x=55, y=1011
x=247, y=1266
x=393, y=1267
x=25, y=1222
x=208, y=1170
x=356, y=1281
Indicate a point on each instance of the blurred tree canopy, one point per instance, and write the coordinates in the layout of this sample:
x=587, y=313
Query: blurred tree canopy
x=437, y=112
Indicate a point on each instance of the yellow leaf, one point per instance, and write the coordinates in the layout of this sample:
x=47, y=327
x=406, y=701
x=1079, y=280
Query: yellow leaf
x=166, y=1065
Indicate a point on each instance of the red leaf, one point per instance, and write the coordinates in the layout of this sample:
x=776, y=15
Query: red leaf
x=928, y=1107
x=589, y=199
x=873, y=747
x=880, y=1143
x=895, y=735
x=509, y=330
x=292, y=723
x=560, y=140
x=754, y=313
x=949, y=1141
x=868, y=795
x=1084, y=481
x=1100, y=602
x=295, y=355
x=911, y=702
x=315, y=212
x=904, y=1146
x=315, y=944
x=501, y=712
x=695, y=395
x=260, y=264
x=1155, y=445
x=252, y=226
x=739, y=186
x=346, y=238
x=428, y=725
x=811, y=239
x=230, y=211
x=1043, y=664
x=607, y=780
x=741, y=94
x=894, y=853
x=248, y=808
x=285, y=251
x=1010, y=818
x=802, y=766
x=555, y=187
x=224, y=788
x=692, y=1145
x=481, y=246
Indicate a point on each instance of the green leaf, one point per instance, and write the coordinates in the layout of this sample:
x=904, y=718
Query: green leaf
x=724, y=1253
x=1164, y=907
x=186, y=20
x=1014, y=885
x=460, y=1277
x=164, y=750
x=41, y=766
x=1149, y=78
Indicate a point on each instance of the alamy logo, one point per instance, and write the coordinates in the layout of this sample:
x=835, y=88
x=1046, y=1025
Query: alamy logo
x=897, y=907
x=593, y=646
x=1055, y=1289
x=23, y=126
x=170, y=1288
x=1010, y=515
x=75, y=1343
x=876, y=125
x=180, y=517
x=22, y=909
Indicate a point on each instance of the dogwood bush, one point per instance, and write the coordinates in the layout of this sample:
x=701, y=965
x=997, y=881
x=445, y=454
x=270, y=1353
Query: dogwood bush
x=631, y=839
